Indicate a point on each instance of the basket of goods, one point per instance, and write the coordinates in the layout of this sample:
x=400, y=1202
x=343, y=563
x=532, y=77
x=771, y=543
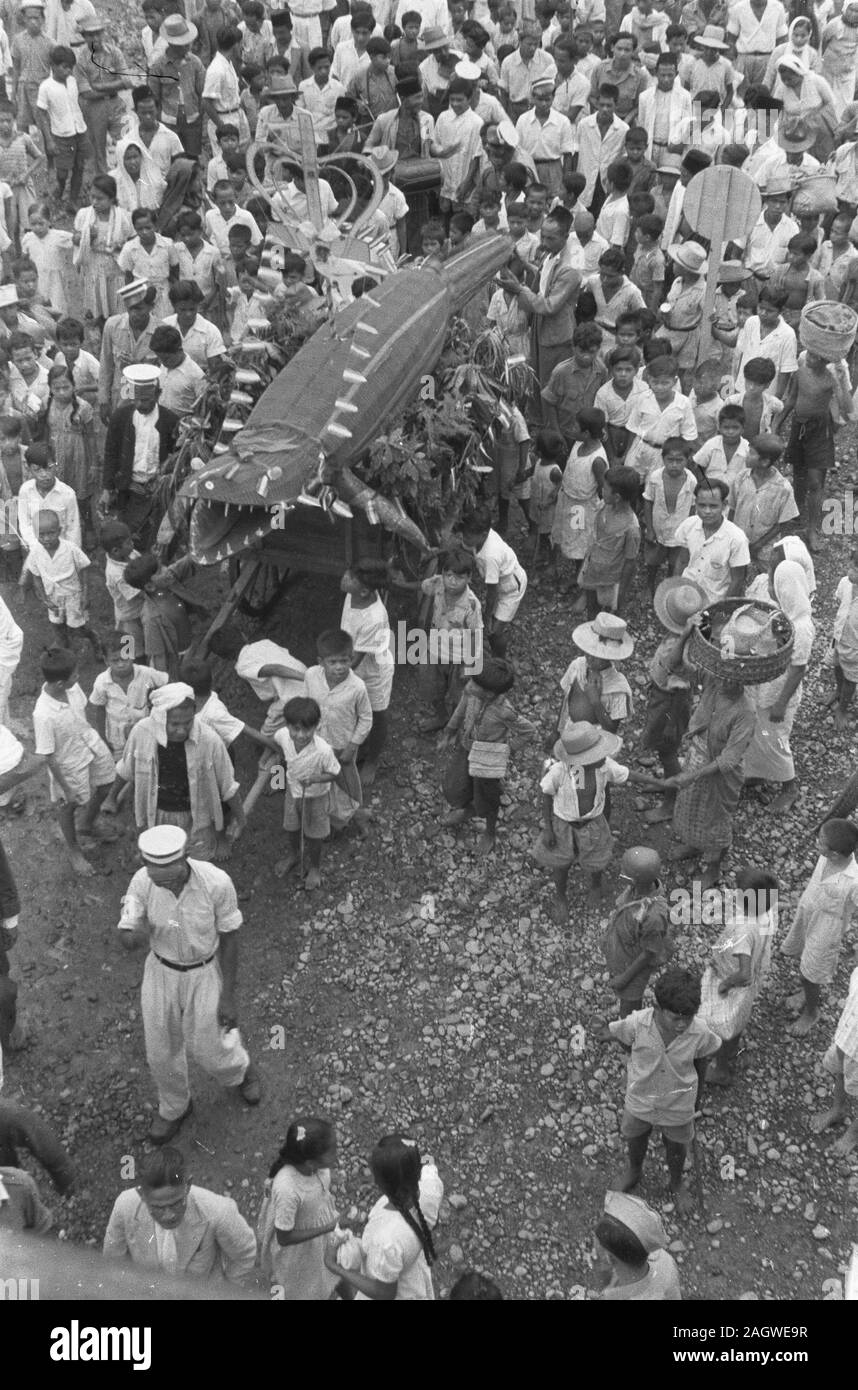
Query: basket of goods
x=828, y=328
x=818, y=194
x=745, y=641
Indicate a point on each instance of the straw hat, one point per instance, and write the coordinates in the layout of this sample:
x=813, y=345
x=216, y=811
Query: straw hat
x=712, y=37
x=690, y=255
x=433, y=37
x=795, y=137
x=178, y=30
x=383, y=157
x=91, y=24
x=776, y=187
x=606, y=636
x=670, y=164
x=280, y=85
x=676, y=600
x=640, y=1219
x=582, y=744
x=733, y=273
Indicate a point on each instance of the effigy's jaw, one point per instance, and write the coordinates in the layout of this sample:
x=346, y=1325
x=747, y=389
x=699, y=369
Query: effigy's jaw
x=218, y=530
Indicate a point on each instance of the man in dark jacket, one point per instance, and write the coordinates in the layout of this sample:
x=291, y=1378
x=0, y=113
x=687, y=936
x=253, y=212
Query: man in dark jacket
x=141, y=435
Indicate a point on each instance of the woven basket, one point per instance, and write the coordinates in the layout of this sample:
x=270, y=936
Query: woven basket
x=828, y=328
x=816, y=194
x=742, y=670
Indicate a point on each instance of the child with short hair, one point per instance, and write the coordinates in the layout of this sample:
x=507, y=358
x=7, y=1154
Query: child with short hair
x=637, y=939
x=797, y=278
x=477, y=736
x=670, y=1048
x=824, y=911
x=504, y=578
x=573, y=384
x=704, y=398
x=311, y=767
x=509, y=316
x=166, y=624
x=649, y=266
x=617, y=397
x=82, y=365
x=70, y=437
x=658, y=414
x=761, y=499
x=346, y=720
x=609, y=564
x=433, y=242
x=80, y=764
x=56, y=569
x=767, y=334
x=550, y=457
x=761, y=406
x=127, y=600
x=677, y=602
x=580, y=487
x=120, y=695
x=817, y=390
x=841, y=1061
x=490, y=208
x=455, y=611
x=668, y=499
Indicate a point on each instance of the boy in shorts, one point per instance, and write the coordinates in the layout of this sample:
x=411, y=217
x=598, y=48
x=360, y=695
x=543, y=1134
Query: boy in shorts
x=503, y=576
x=80, y=763
x=841, y=1062
x=56, y=569
x=816, y=388
x=311, y=765
x=667, y=1064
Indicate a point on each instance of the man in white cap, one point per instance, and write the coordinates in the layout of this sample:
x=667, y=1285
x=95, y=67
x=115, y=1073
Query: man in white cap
x=181, y=774
x=125, y=340
x=632, y=1242
x=547, y=135
x=141, y=435
x=187, y=913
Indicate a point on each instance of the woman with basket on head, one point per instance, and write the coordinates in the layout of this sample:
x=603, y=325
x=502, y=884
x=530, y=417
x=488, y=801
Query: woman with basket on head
x=769, y=757
x=739, y=644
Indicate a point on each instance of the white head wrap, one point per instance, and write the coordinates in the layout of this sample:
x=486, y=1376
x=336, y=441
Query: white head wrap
x=165, y=699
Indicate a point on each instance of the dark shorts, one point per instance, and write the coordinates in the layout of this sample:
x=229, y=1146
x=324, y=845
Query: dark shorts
x=68, y=152
x=667, y=716
x=811, y=444
x=633, y=1128
x=462, y=790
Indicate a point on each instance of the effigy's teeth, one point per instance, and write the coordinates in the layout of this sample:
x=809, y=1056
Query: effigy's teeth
x=359, y=352
x=357, y=378
x=368, y=299
x=262, y=486
x=366, y=328
x=307, y=500
x=231, y=472
x=339, y=430
x=341, y=508
x=346, y=405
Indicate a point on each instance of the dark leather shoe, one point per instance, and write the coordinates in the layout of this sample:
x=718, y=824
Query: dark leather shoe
x=162, y=1131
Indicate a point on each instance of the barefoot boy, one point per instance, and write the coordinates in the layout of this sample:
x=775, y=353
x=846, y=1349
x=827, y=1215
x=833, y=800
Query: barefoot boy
x=80, y=763
x=311, y=766
x=56, y=568
x=666, y=1069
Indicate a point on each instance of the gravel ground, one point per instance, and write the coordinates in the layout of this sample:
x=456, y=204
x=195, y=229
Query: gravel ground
x=428, y=990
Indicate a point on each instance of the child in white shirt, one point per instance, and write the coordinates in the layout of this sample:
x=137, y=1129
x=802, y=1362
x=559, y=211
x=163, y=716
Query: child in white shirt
x=311, y=766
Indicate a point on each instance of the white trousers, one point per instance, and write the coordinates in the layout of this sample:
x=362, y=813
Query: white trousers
x=180, y=1018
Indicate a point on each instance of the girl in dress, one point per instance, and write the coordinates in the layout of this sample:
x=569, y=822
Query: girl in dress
x=18, y=157
x=100, y=232
x=550, y=451
x=365, y=619
x=70, y=435
x=580, y=489
x=826, y=906
x=397, y=1239
x=738, y=966
x=298, y=1213
x=48, y=248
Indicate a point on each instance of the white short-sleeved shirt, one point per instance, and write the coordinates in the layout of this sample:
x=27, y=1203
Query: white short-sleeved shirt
x=779, y=346
x=123, y=708
x=318, y=756
x=218, y=227
x=181, y=386
x=61, y=499
x=60, y=101
x=184, y=927
x=498, y=564
x=710, y=559
x=392, y=1252
x=11, y=751
x=710, y=457
x=549, y=140
x=215, y=713
x=60, y=572
x=62, y=730
x=562, y=782
x=202, y=340
x=11, y=640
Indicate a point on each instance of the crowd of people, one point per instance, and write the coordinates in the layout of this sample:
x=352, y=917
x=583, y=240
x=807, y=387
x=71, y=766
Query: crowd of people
x=651, y=458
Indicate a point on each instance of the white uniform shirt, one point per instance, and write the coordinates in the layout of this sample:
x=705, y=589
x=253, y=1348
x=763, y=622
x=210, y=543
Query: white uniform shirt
x=184, y=928
x=147, y=446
